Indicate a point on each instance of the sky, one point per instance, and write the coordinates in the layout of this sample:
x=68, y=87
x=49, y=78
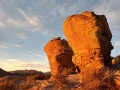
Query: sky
x=27, y=25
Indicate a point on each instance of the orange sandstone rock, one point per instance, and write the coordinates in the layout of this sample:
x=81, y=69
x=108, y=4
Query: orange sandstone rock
x=89, y=37
x=60, y=57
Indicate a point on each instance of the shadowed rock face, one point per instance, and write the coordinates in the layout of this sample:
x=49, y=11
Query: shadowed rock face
x=116, y=62
x=60, y=57
x=89, y=36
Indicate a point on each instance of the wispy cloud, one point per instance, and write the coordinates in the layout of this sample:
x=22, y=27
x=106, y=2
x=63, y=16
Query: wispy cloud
x=2, y=24
x=28, y=21
x=22, y=35
x=14, y=64
x=10, y=45
x=117, y=44
x=17, y=45
x=24, y=21
x=37, y=55
x=110, y=8
x=4, y=46
x=32, y=20
x=67, y=9
x=3, y=54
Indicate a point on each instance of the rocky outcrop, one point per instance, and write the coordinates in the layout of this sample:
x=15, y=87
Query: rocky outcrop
x=60, y=57
x=89, y=36
x=116, y=62
x=117, y=58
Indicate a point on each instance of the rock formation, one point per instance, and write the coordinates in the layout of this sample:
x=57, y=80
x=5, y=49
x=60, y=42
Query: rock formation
x=117, y=58
x=60, y=57
x=116, y=62
x=89, y=37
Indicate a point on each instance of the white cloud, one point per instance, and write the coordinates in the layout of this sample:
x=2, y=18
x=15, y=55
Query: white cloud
x=3, y=54
x=37, y=54
x=22, y=36
x=109, y=8
x=40, y=56
x=24, y=22
x=33, y=20
x=10, y=45
x=17, y=45
x=117, y=44
x=66, y=9
x=2, y=46
x=117, y=26
x=14, y=64
x=2, y=24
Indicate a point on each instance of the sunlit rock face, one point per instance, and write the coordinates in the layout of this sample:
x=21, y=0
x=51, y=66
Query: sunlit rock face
x=60, y=57
x=89, y=37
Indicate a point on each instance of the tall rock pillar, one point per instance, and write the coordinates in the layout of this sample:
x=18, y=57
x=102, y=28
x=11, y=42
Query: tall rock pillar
x=60, y=57
x=89, y=37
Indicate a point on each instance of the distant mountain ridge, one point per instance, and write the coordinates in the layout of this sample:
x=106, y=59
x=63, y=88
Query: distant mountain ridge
x=3, y=72
x=18, y=72
x=25, y=71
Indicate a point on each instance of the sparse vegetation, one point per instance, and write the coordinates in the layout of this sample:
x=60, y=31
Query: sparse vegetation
x=60, y=82
x=21, y=82
x=16, y=82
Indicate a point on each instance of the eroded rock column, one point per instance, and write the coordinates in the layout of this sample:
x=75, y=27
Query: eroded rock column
x=60, y=57
x=89, y=36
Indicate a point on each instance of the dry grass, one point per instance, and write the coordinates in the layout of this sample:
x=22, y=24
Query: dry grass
x=60, y=82
x=104, y=80
x=21, y=82
x=16, y=83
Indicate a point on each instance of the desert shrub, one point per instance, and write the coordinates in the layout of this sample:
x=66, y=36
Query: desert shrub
x=101, y=80
x=16, y=83
x=26, y=84
x=21, y=82
x=60, y=82
x=41, y=76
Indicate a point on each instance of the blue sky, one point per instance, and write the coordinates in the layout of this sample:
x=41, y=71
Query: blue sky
x=27, y=25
